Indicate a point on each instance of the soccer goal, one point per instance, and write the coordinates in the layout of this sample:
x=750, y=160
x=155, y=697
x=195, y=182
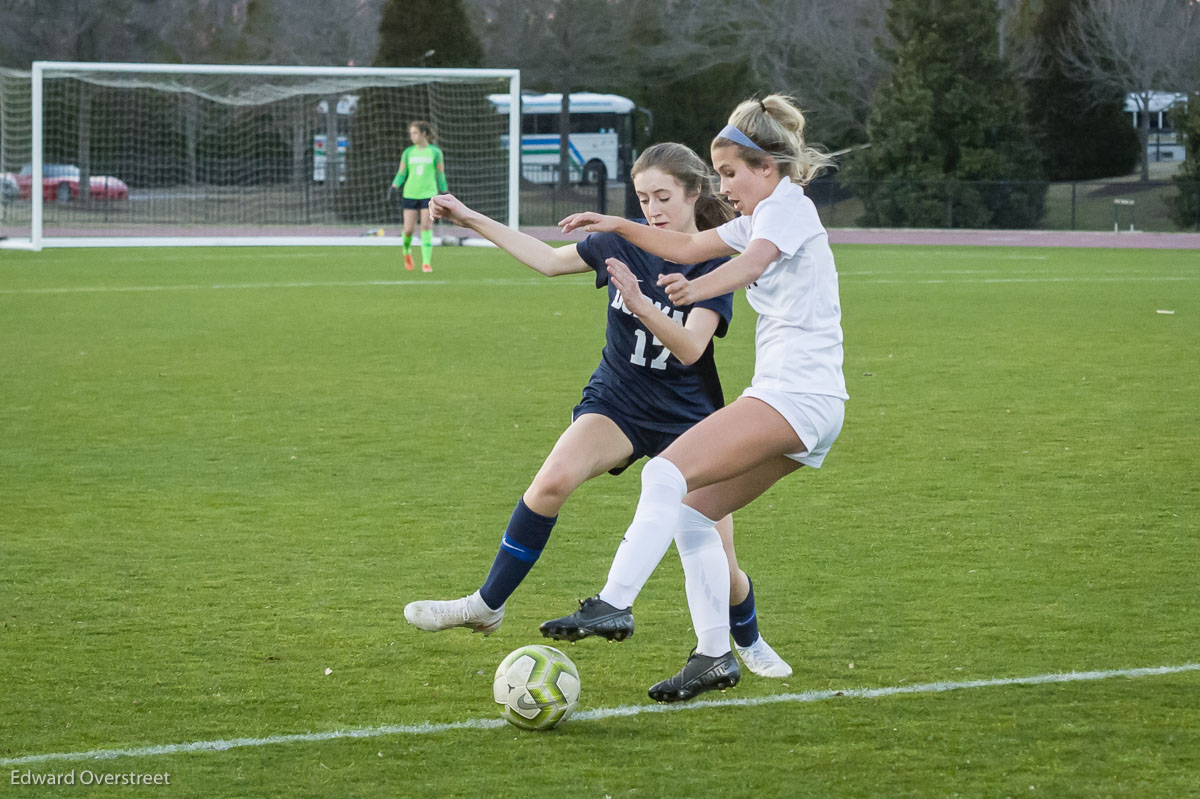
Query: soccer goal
x=193, y=154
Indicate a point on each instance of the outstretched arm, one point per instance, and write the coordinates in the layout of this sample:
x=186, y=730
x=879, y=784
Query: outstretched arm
x=681, y=248
x=736, y=273
x=537, y=255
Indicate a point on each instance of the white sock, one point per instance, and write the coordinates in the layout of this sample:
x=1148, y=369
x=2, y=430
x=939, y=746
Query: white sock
x=649, y=535
x=706, y=573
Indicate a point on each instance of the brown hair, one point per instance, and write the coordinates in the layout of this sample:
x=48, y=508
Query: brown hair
x=425, y=128
x=776, y=125
x=681, y=162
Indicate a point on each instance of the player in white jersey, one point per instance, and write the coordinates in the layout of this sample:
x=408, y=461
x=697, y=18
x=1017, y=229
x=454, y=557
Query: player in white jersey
x=657, y=377
x=787, y=418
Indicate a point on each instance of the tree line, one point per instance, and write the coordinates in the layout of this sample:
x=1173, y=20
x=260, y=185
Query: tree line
x=928, y=98
x=948, y=112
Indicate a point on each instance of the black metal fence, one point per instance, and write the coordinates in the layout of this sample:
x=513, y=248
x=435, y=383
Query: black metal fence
x=1162, y=206
x=545, y=202
x=1157, y=206
x=1082, y=205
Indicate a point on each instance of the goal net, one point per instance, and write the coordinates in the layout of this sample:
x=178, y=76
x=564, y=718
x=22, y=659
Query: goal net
x=163, y=154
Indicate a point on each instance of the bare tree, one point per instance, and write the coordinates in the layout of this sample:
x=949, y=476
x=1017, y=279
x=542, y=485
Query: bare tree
x=336, y=32
x=68, y=30
x=340, y=32
x=825, y=53
x=563, y=44
x=1017, y=47
x=821, y=51
x=1135, y=49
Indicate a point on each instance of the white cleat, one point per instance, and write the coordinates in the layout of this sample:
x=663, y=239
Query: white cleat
x=764, y=661
x=470, y=612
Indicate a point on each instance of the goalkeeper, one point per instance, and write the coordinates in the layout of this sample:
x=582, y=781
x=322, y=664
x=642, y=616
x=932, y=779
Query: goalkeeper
x=422, y=174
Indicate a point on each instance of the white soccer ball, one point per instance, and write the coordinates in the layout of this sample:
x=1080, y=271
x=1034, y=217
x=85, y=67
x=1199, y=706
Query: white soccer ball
x=536, y=687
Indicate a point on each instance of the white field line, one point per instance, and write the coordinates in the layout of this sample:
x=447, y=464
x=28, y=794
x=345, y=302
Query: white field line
x=150, y=255
x=292, y=285
x=593, y=715
x=853, y=278
x=955, y=254
x=928, y=281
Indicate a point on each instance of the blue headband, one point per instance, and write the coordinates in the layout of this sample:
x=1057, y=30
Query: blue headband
x=736, y=136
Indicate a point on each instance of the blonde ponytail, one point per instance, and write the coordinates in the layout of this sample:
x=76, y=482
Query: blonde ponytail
x=776, y=126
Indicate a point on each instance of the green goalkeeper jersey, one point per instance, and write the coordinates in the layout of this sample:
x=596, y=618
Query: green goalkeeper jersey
x=422, y=172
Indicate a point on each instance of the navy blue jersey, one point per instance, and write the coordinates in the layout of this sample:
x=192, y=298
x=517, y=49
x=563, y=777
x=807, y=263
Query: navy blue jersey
x=637, y=373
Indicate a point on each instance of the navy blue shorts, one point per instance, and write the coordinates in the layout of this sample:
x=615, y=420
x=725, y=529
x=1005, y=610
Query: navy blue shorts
x=413, y=205
x=646, y=442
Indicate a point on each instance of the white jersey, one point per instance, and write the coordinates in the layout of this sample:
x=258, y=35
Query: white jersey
x=798, y=340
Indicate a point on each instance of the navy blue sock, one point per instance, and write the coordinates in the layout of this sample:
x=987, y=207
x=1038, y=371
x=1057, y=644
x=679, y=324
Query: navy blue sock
x=743, y=621
x=524, y=539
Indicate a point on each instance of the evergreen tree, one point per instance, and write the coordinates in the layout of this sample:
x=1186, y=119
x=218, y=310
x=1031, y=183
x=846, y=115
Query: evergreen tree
x=1185, y=207
x=1079, y=139
x=950, y=144
x=410, y=29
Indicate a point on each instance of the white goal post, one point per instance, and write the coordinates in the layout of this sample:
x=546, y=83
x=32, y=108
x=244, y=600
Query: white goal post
x=203, y=154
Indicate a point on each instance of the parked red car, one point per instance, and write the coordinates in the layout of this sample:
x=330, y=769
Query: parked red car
x=60, y=183
x=9, y=188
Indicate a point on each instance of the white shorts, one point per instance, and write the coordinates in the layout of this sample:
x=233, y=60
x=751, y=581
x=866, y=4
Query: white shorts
x=816, y=418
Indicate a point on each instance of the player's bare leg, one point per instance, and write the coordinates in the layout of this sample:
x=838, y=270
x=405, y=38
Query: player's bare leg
x=410, y=225
x=746, y=437
x=747, y=440
x=426, y=241
x=756, y=654
x=591, y=446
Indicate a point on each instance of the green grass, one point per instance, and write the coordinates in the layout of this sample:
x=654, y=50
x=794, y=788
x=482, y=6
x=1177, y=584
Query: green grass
x=224, y=471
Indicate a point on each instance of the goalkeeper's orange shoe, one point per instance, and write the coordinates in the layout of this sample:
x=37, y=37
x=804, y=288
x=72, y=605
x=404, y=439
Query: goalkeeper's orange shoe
x=408, y=262
x=426, y=268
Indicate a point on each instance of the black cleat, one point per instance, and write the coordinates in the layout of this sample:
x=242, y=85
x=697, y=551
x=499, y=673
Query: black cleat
x=594, y=617
x=701, y=673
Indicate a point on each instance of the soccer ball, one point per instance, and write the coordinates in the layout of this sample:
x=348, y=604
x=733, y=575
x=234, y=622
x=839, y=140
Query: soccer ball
x=536, y=687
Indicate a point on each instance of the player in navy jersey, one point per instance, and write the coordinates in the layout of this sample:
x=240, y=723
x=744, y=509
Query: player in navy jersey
x=656, y=379
x=655, y=391
x=790, y=415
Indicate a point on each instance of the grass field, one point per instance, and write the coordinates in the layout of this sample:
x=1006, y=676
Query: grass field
x=223, y=472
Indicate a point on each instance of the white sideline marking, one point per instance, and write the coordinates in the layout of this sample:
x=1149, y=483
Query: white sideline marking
x=296, y=285
x=926, y=281
x=592, y=715
x=957, y=254
x=854, y=278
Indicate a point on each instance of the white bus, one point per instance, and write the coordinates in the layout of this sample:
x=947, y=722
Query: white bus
x=601, y=138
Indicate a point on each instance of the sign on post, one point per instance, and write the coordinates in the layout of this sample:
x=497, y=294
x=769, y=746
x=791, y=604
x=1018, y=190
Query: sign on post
x=320, y=153
x=1117, y=205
